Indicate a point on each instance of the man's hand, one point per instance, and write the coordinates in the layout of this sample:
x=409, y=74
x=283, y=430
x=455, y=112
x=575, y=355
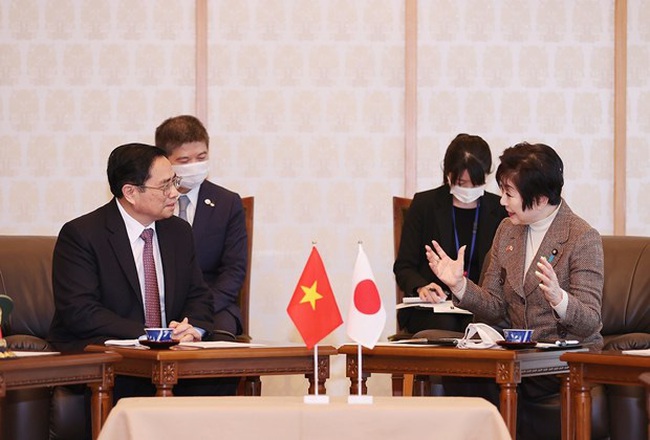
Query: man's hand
x=184, y=332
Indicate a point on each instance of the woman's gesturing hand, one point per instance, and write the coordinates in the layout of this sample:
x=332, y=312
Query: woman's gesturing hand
x=447, y=270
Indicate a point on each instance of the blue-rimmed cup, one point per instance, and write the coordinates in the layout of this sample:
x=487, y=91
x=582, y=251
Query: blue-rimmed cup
x=159, y=334
x=518, y=335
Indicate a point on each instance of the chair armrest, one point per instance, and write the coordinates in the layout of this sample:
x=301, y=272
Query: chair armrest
x=399, y=336
x=27, y=343
x=243, y=338
x=628, y=341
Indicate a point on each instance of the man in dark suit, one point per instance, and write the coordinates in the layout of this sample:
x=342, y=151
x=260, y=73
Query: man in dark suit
x=215, y=213
x=98, y=275
x=102, y=273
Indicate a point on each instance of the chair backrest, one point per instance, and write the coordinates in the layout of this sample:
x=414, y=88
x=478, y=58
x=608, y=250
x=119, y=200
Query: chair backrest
x=244, y=292
x=400, y=206
x=26, y=274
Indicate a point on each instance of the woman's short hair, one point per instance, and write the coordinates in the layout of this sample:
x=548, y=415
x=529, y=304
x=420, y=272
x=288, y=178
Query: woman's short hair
x=467, y=152
x=535, y=170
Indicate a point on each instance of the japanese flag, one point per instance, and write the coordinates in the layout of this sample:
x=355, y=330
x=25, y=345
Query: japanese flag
x=366, y=317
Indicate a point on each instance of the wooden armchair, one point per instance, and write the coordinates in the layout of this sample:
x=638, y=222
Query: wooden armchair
x=400, y=206
x=403, y=384
x=250, y=385
x=244, y=292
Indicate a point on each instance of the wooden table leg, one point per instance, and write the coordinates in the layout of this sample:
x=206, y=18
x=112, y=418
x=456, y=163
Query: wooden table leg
x=164, y=377
x=397, y=381
x=323, y=373
x=582, y=409
x=101, y=403
x=421, y=385
x=252, y=386
x=354, y=384
x=508, y=404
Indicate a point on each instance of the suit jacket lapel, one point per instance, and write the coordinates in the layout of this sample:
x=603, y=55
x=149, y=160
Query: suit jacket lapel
x=203, y=211
x=552, y=244
x=168, y=256
x=515, y=251
x=119, y=240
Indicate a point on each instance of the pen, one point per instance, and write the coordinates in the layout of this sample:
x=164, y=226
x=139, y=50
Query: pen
x=564, y=343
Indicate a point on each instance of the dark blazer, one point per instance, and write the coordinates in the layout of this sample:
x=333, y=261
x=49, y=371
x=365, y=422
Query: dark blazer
x=578, y=264
x=97, y=295
x=221, y=249
x=429, y=218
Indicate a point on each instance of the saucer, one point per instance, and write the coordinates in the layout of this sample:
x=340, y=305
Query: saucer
x=516, y=345
x=159, y=345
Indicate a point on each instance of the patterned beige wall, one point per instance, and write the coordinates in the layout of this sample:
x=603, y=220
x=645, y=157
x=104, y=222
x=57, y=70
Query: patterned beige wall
x=305, y=109
x=638, y=121
x=516, y=71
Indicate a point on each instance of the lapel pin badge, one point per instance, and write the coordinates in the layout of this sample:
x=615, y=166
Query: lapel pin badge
x=509, y=248
x=552, y=256
x=209, y=202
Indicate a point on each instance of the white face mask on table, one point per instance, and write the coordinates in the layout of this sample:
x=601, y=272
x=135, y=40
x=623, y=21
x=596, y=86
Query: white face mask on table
x=192, y=174
x=465, y=195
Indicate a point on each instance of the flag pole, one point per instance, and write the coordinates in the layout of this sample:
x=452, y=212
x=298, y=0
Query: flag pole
x=316, y=370
x=360, y=374
x=316, y=398
x=366, y=274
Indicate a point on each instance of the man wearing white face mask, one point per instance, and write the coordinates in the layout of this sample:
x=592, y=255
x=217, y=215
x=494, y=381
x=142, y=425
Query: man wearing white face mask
x=457, y=213
x=215, y=213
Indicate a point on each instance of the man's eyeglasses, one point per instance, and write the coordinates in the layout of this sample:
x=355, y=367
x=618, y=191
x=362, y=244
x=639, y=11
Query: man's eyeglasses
x=167, y=187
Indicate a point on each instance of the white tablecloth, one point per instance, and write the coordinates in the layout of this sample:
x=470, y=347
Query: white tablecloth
x=288, y=418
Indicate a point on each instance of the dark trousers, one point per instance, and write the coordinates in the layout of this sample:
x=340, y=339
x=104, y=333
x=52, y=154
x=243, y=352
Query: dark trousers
x=538, y=402
x=127, y=386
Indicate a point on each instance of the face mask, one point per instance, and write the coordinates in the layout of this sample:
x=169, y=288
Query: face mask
x=192, y=174
x=465, y=195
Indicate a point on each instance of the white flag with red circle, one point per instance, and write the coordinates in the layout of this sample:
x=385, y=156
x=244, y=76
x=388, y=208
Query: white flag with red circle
x=366, y=317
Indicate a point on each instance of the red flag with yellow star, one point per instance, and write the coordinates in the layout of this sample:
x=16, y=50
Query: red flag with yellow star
x=313, y=308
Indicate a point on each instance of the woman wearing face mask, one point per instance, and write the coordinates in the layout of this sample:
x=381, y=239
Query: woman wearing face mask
x=458, y=213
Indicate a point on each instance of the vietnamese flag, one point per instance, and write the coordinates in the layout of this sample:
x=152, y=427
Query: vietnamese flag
x=366, y=316
x=313, y=308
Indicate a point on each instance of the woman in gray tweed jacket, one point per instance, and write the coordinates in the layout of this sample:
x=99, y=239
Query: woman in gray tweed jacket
x=546, y=264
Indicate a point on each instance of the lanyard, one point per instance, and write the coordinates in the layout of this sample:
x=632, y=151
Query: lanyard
x=474, y=229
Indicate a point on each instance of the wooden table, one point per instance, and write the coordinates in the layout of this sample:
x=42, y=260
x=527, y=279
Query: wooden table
x=94, y=369
x=507, y=367
x=165, y=367
x=289, y=418
x=598, y=367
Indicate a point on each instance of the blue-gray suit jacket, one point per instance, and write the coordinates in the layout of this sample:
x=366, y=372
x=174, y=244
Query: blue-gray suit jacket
x=221, y=249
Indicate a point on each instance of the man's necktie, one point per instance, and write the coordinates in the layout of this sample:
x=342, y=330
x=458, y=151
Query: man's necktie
x=151, y=297
x=183, y=201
